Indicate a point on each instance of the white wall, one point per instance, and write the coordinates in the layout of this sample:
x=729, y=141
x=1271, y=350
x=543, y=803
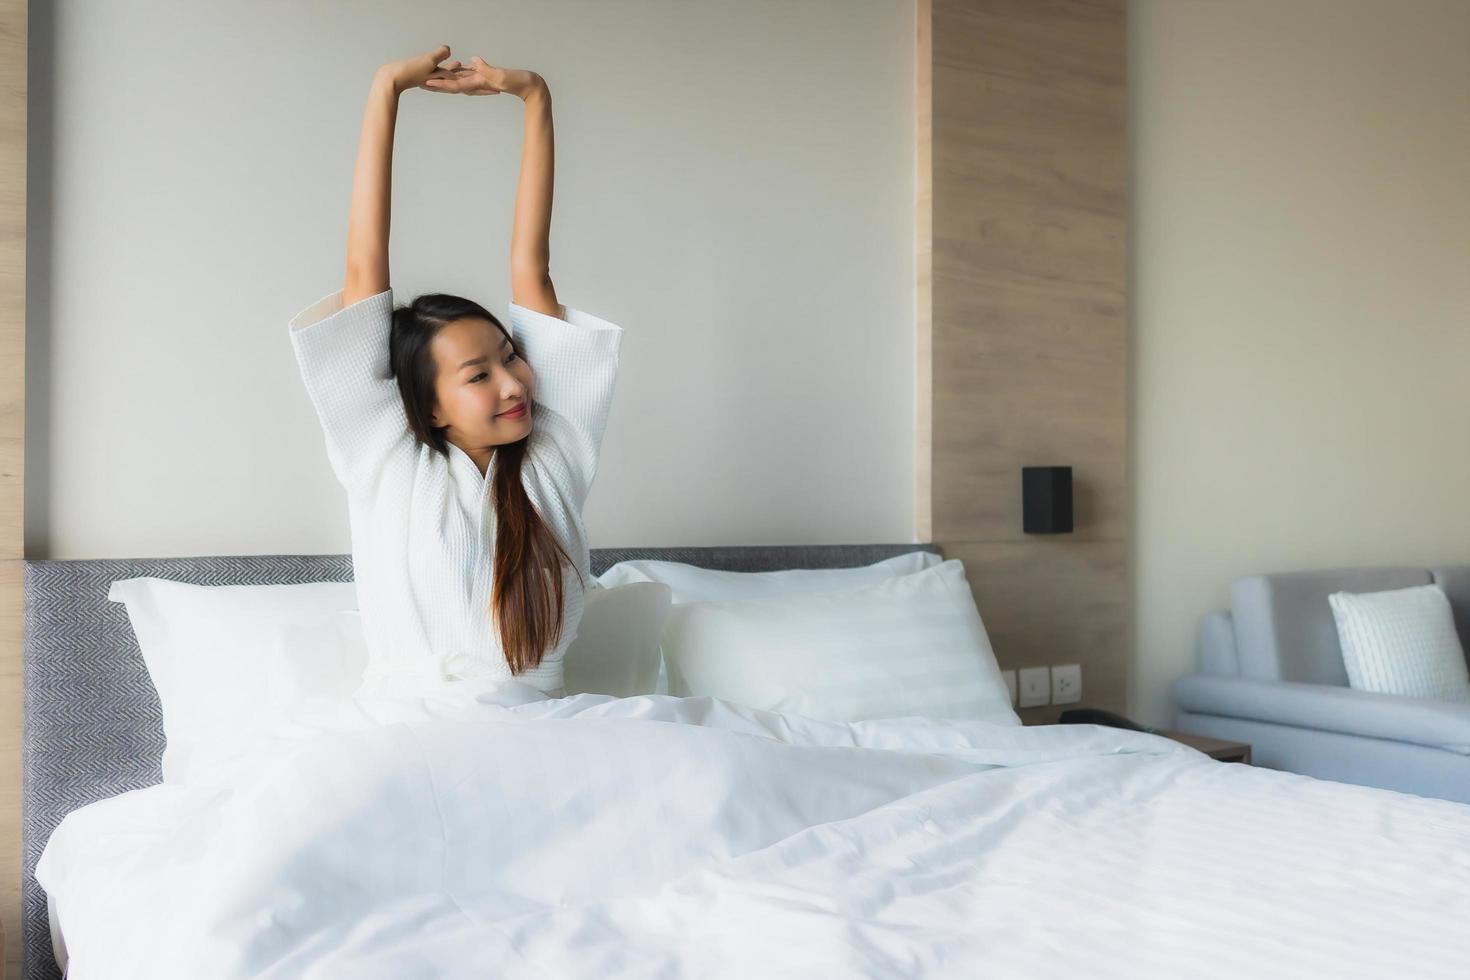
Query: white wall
x=734, y=186
x=1301, y=299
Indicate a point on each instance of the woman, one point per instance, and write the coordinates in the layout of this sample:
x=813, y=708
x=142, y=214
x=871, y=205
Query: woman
x=467, y=450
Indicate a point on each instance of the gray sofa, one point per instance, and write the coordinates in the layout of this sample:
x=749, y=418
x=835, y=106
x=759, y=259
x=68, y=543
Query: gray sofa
x=1271, y=674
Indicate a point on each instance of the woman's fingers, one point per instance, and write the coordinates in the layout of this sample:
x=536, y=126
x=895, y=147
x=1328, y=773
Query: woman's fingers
x=437, y=55
x=473, y=78
x=441, y=81
x=475, y=83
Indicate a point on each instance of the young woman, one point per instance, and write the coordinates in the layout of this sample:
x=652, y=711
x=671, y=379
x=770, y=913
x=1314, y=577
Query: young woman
x=467, y=449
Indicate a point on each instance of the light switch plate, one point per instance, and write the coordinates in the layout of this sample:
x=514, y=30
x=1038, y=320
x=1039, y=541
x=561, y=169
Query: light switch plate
x=1035, y=686
x=1010, y=679
x=1066, y=684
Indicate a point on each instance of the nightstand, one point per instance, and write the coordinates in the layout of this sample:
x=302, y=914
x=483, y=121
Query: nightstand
x=1215, y=748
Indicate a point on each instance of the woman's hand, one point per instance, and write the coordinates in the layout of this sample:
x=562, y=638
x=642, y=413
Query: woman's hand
x=421, y=70
x=478, y=78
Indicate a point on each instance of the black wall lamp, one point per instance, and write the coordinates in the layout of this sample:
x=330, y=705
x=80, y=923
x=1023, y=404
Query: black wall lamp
x=1046, y=499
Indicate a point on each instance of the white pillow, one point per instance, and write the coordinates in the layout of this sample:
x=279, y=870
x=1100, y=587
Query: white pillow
x=694, y=584
x=225, y=658
x=616, y=649
x=1401, y=641
x=691, y=583
x=214, y=653
x=913, y=645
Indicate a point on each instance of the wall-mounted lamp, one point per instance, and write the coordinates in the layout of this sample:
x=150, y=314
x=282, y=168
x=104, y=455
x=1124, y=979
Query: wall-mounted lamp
x=1046, y=499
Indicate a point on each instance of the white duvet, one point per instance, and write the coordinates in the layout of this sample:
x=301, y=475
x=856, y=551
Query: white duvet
x=464, y=834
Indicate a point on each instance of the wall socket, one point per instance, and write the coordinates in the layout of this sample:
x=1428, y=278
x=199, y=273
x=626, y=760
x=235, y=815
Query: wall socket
x=1035, y=686
x=1066, y=684
x=1032, y=687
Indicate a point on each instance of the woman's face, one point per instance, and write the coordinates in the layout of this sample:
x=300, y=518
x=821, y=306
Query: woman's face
x=480, y=377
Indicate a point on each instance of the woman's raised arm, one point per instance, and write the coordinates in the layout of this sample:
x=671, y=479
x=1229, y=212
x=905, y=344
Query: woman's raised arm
x=530, y=238
x=372, y=179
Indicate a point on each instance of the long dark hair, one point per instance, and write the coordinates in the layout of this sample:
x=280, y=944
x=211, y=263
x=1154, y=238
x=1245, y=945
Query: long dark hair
x=527, y=596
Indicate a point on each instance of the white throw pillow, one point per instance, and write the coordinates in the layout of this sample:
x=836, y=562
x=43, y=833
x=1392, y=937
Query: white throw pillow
x=694, y=584
x=1401, y=641
x=913, y=645
x=616, y=650
x=215, y=653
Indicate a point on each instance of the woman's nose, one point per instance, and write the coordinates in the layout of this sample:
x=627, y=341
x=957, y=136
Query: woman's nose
x=510, y=385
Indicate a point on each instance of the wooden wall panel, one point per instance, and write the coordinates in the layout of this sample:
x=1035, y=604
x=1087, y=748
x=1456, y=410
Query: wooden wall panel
x=924, y=275
x=1025, y=334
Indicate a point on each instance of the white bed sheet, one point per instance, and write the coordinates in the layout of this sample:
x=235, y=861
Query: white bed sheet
x=492, y=832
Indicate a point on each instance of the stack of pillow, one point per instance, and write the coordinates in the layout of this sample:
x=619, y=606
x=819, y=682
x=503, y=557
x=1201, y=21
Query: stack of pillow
x=899, y=637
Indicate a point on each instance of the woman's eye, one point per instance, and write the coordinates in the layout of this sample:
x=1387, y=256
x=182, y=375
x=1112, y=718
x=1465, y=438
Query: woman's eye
x=482, y=374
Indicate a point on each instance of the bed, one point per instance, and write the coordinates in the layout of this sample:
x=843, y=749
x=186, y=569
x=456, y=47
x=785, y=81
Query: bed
x=692, y=837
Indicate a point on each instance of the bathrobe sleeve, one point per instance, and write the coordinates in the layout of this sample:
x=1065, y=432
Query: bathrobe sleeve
x=575, y=362
x=342, y=352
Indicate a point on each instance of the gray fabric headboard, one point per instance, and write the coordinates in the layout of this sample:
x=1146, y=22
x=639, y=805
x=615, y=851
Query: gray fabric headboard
x=92, y=726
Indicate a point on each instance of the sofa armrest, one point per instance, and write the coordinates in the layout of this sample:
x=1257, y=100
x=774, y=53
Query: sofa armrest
x=1438, y=724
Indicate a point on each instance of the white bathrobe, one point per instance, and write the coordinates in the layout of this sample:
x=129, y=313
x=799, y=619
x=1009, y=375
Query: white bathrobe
x=423, y=525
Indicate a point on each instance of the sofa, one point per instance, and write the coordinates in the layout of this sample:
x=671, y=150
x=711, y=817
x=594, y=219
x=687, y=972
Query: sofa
x=1271, y=674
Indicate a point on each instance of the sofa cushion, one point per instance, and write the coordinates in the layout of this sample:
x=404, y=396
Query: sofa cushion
x=1437, y=724
x=1284, y=630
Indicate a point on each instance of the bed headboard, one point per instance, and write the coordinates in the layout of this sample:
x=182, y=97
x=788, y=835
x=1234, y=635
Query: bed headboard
x=92, y=725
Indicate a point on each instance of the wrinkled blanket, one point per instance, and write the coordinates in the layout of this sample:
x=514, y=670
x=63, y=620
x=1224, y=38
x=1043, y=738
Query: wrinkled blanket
x=493, y=832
